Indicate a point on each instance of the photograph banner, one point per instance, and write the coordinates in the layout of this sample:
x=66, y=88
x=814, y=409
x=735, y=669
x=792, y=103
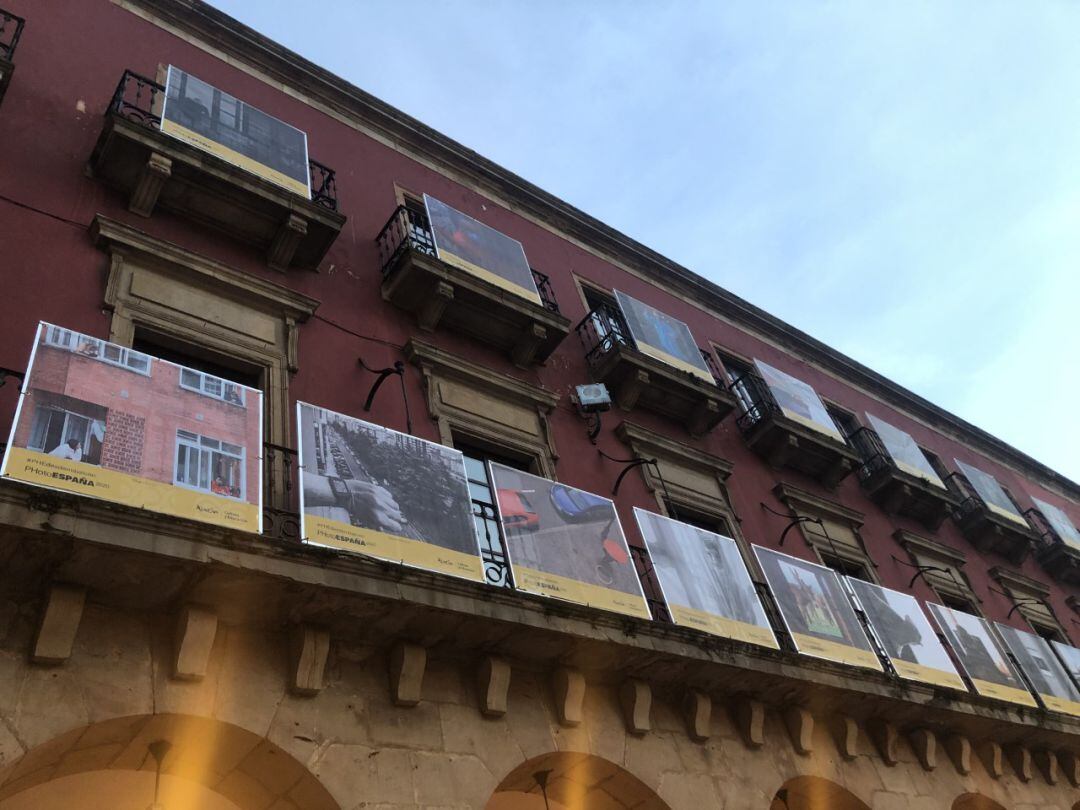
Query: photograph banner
x=105, y=421
x=199, y=114
x=904, y=452
x=704, y=580
x=663, y=337
x=480, y=250
x=798, y=401
x=1070, y=659
x=1059, y=521
x=904, y=631
x=987, y=488
x=371, y=490
x=1052, y=683
x=981, y=655
x=816, y=610
x=566, y=543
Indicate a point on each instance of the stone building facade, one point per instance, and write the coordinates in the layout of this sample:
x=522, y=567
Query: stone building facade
x=142, y=656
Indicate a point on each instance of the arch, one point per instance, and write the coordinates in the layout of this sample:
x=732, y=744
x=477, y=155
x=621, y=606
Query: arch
x=208, y=763
x=574, y=781
x=975, y=801
x=815, y=793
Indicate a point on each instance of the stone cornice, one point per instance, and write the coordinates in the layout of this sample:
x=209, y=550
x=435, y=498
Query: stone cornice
x=242, y=43
x=642, y=439
x=795, y=498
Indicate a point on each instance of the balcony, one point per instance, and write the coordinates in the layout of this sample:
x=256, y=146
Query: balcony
x=896, y=491
x=443, y=296
x=1059, y=558
x=784, y=443
x=989, y=531
x=637, y=380
x=10, y=30
x=155, y=170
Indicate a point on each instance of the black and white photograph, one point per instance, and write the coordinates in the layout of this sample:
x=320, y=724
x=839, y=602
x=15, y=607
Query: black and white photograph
x=991, y=492
x=1070, y=659
x=980, y=655
x=373, y=490
x=1046, y=674
x=1060, y=522
x=567, y=543
x=904, y=451
x=905, y=633
x=816, y=610
x=704, y=579
x=666, y=338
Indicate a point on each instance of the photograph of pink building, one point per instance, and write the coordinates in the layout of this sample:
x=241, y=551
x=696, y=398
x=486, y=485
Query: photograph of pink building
x=91, y=408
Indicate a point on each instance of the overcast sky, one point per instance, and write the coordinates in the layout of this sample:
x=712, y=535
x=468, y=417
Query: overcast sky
x=902, y=181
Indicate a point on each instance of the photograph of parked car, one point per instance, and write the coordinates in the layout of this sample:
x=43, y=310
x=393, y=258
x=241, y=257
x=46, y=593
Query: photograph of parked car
x=371, y=490
x=105, y=421
x=566, y=543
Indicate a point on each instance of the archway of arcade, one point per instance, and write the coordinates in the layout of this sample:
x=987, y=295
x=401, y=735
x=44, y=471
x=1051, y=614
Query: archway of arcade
x=572, y=781
x=205, y=764
x=815, y=793
x=974, y=801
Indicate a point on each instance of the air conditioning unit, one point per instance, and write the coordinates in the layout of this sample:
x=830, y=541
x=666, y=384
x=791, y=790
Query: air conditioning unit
x=593, y=398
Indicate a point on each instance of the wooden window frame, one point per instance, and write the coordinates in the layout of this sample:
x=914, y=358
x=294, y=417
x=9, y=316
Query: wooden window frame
x=807, y=504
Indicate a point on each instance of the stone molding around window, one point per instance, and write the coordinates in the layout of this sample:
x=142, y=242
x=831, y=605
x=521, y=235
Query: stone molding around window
x=1029, y=597
x=165, y=289
x=471, y=401
x=840, y=536
x=949, y=580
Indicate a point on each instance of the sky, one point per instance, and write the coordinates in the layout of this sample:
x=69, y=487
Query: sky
x=899, y=180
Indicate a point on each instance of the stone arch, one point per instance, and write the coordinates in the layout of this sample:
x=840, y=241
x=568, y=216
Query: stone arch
x=209, y=764
x=815, y=793
x=574, y=781
x=976, y=801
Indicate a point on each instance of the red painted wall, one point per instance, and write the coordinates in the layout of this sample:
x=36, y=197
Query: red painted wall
x=69, y=61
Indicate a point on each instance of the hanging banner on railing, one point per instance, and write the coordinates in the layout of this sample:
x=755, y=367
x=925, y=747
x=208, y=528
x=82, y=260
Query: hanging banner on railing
x=480, y=250
x=906, y=635
x=704, y=580
x=199, y=114
x=663, y=337
x=904, y=451
x=798, y=400
x=371, y=490
x=105, y=421
x=1045, y=673
x=1059, y=521
x=816, y=610
x=566, y=543
x=991, y=493
x=981, y=655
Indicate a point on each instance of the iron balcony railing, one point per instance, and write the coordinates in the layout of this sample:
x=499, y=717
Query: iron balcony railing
x=756, y=401
x=408, y=229
x=601, y=331
x=140, y=99
x=11, y=28
x=875, y=458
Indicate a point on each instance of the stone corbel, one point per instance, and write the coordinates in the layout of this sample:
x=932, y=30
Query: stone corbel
x=1019, y=757
x=59, y=624
x=1069, y=763
x=749, y=718
x=309, y=648
x=845, y=732
x=286, y=241
x=885, y=738
x=152, y=178
x=958, y=747
x=492, y=685
x=429, y=315
x=196, y=628
x=1047, y=762
x=631, y=388
x=800, y=727
x=407, y=663
x=697, y=708
x=704, y=415
x=528, y=343
x=992, y=758
x=568, y=686
x=782, y=451
x=635, y=697
x=924, y=743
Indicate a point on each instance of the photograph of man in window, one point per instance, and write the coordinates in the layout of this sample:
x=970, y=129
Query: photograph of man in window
x=978, y=653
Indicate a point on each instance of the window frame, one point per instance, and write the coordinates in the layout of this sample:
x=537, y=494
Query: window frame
x=201, y=388
x=192, y=441
x=78, y=339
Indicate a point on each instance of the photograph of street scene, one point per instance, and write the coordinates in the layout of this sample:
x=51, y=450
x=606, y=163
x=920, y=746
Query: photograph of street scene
x=912, y=645
x=661, y=336
x=566, y=543
x=798, y=400
x=980, y=656
x=988, y=488
x=816, y=610
x=1042, y=668
x=375, y=491
x=704, y=580
x=904, y=451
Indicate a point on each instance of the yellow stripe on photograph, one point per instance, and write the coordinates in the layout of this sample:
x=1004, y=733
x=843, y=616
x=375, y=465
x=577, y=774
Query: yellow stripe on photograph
x=722, y=626
x=919, y=672
x=439, y=559
x=1063, y=705
x=345, y=536
x=841, y=653
x=1009, y=693
x=810, y=423
x=488, y=276
x=130, y=490
x=583, y=593
x=236, y=158
x=672, y=360
x=1005, y=513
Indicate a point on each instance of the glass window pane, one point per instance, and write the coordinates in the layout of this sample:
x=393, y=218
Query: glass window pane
x=479, y=492
x=212, y=385
x=189, y=378
x=236, y=450
x=113, y=353
x=474, y=469
x=183, y=434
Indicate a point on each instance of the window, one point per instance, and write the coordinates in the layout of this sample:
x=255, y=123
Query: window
x=209, y=465
x=97, y=349
x=845, y=567
x=831, y=530
x=67, y=434
x=957, y=603
x=717, y=524
x=1030, y=599
x=211, y=386
x=738, y=373
x=941, y=568
x=485, y=516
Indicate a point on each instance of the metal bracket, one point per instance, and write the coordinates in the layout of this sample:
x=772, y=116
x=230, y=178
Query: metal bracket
x=399, y=369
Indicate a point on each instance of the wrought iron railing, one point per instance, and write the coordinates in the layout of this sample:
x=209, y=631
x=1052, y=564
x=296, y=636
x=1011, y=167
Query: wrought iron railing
x=140, y=99
x=756, y=401
x=601, y=331
x=408, y=229
x=11, y=28
x=875, y=458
